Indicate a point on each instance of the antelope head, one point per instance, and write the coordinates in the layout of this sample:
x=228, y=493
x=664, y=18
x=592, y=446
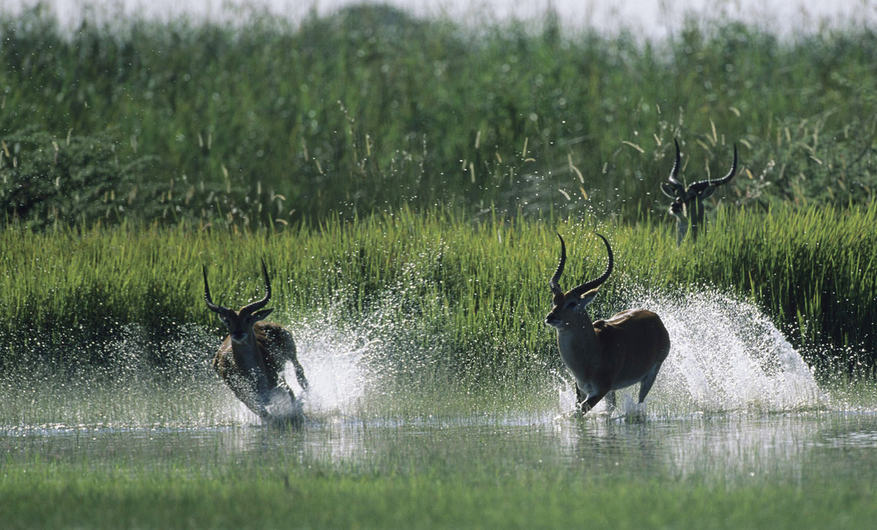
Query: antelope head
x=240, y=323
x=687, y=206
x=569, y=307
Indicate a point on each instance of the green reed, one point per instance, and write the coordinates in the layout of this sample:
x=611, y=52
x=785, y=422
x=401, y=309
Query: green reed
x=475, y=288
x=266, y=122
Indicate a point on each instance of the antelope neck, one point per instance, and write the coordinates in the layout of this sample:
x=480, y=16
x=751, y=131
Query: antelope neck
x=245, y=354
x=578, y=344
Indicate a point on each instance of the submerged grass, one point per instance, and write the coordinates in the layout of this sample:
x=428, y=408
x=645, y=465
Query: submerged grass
x=474, y=290
x=277, y=493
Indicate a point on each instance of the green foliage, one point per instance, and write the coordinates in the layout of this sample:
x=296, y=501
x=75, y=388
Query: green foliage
x=77, y=181
x=264, y=122
x=249, y=130
x=475, y=292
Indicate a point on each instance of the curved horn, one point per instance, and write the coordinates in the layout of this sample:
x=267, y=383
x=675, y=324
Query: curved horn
x=677, y=165
x=255, y=306
x=704, y=184
x=554, y=282
x=733, y=171
x=213, y=307
x=673, y=188
x=593, y=284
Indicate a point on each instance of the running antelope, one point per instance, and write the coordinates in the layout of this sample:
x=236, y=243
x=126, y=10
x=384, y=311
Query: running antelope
x=687, y=206
x=606, y=355
x=251, y=358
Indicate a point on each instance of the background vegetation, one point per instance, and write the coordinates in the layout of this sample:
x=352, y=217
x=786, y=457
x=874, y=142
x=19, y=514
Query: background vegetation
x=265, y=122
x=372, y=152
x=413, y=171
x=474, y=294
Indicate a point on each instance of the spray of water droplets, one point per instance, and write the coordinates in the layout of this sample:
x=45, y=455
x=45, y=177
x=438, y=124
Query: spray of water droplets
x=726, y=356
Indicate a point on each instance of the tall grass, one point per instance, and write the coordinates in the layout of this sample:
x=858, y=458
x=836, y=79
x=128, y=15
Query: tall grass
x=266, y=122
x=479, y=286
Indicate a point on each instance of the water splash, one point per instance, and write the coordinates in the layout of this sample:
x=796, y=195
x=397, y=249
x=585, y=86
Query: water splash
x=390, y=363
x=360, y=364
x=726, y=356
x=334, y=361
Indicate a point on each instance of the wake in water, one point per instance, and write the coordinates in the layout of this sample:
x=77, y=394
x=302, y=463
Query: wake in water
x=726, y=356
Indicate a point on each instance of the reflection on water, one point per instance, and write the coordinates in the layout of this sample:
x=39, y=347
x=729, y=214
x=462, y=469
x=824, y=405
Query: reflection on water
x=727, y=448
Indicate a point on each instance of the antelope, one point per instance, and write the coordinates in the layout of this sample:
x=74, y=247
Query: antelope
x=252, y=356
x=606, y=355
x=687, y=206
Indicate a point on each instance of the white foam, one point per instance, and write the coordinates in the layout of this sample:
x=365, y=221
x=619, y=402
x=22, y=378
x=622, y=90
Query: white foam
x=726, y=356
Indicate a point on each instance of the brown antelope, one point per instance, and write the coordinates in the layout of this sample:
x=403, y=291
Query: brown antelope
x=687, y=206
x=251, y=358
x=606, y=355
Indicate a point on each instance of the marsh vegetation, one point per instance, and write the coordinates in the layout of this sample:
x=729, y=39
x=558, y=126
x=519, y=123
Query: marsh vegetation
x=403, y=179
x=263, y=122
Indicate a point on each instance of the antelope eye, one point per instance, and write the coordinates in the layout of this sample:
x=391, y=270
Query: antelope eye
x=571, y=304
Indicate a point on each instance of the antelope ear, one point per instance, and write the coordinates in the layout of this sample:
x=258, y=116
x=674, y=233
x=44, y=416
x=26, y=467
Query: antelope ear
x=668, y=190
x=226, y=316
x=261, y=315
x=707, y=193
x=588, y=297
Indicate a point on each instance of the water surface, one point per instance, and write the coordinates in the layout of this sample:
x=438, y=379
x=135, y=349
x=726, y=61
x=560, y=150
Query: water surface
x=733, y=450
x=735, y=402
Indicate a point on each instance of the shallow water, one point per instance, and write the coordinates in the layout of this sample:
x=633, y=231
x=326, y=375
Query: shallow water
x=729, y=449
x=733, y=403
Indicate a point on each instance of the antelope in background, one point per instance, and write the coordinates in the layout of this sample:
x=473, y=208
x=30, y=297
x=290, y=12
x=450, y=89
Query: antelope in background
x=606, y=355
x=252, y=356
x=687, y=206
